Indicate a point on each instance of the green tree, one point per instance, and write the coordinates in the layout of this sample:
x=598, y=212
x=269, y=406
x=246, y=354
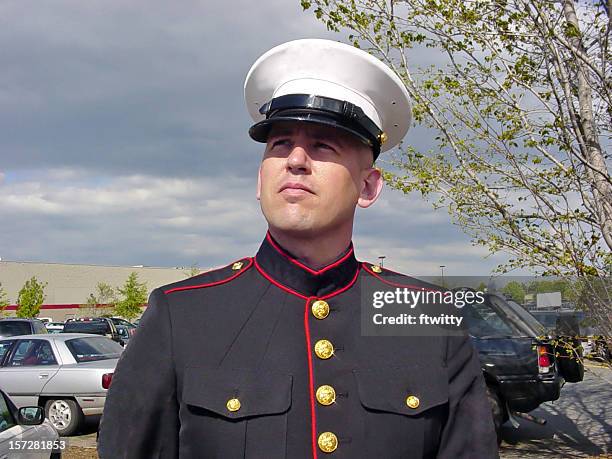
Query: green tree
x=519, y=107
x=4, y=301
x=102, y=300
x=482, y=287
x=194, y=270
x=133, y=297
x=515, y=290
x=30, y=298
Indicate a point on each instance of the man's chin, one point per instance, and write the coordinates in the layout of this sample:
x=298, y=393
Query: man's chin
x=293, y=227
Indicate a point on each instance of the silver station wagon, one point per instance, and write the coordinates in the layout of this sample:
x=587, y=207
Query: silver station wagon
x=67, y=374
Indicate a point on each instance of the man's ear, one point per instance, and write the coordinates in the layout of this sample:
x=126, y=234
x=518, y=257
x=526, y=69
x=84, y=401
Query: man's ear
x=371, y=187
x=258, y=194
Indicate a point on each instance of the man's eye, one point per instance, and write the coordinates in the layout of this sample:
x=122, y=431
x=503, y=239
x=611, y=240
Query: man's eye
x=324, y=146
x=279, y=142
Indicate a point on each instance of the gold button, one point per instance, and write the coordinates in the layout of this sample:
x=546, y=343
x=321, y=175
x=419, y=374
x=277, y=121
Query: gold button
x=238, y=265
x=233, y=404
x=324, y=349
x=412, y=402
x=383, y=137
x=376, y=269
x=326, y=395
x=328, y=442
x=320, y=309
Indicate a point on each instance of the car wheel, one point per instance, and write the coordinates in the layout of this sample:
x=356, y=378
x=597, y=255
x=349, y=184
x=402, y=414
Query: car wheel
x=65, y=415
x=498, y=409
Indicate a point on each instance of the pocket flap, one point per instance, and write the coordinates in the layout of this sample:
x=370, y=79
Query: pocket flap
x=407, y=391
x=258, y=392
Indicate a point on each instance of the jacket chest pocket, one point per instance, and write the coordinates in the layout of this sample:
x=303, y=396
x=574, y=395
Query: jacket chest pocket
x=228, y=413
x=405, y=409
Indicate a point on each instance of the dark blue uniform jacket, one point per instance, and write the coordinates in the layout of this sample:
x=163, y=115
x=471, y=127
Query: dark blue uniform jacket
x=230, y=364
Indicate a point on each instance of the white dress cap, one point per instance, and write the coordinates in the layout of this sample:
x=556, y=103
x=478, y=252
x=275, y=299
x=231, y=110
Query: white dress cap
x=332, y=70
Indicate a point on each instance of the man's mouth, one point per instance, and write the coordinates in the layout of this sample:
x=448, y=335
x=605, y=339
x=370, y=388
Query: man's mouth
x=295, y=188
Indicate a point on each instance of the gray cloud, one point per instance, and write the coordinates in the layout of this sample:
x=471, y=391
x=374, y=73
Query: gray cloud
x=125, y=138
x=67, y=216
x=148, y=86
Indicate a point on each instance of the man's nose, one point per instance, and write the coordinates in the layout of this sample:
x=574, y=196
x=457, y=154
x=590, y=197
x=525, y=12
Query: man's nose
x=298, y=160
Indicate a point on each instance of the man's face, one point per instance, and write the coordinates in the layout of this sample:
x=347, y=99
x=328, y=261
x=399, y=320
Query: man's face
x=312, y=177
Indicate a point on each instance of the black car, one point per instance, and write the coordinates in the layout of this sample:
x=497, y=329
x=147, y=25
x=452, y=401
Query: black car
x=522, y=363
x=15, y=326
x=96, y=326
x=574, y=326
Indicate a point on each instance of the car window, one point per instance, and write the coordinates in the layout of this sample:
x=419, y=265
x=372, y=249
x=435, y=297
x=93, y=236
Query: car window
x=528, y=318
x=6, y=418
x=39, y=327
x=549, y=320
x=94, y=348
x=510, y=314
x=32, y=352
x=486, y=321
x=4, y=347
x=123, y=332
x=117, y=321
x=96, y=327
x=14, y=327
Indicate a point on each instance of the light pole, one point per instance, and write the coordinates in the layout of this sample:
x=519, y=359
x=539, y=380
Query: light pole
x=381, y=258
x=442, y=269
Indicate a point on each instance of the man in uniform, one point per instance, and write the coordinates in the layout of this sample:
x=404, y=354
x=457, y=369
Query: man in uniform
x=266, y=358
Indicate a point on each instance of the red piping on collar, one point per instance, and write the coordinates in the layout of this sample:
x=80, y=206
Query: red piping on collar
x=281, y=286
x=313, y=419
x=346, y=287
x=395, y=284
x=210, y=284
x=293, y=292
x=303, y=266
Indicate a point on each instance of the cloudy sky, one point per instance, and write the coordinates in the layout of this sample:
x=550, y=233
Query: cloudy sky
x=124, y=139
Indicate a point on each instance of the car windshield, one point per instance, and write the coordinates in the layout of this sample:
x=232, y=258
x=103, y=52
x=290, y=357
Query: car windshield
x=488, y=320
x=528, y=318
x=94, y=348
x=547, y=319
x=118, y=321
x=14, y=328
x=96, y=327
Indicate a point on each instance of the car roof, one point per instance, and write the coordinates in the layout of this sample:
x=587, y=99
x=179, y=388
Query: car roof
x=20, y=319
x=54, y=336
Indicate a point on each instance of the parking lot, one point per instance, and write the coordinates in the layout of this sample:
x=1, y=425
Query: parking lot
x=578, y=425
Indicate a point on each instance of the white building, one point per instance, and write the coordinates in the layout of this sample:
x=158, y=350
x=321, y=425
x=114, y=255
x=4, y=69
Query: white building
x=69, y=286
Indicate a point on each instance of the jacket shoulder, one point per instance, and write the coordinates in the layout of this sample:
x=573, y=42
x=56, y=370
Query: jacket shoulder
x=395, y=279
x=211, y=278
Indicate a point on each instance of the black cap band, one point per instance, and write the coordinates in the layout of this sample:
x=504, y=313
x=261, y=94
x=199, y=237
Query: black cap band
x=318, y=109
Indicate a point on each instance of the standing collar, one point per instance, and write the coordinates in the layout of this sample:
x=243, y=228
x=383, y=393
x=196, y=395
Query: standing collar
x=280, y=267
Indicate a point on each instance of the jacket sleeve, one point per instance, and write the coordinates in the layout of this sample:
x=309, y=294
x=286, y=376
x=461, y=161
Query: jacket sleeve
x=469, y=431
x=140, y=417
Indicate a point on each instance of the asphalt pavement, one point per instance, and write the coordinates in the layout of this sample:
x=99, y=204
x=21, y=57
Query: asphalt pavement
x=578, y=425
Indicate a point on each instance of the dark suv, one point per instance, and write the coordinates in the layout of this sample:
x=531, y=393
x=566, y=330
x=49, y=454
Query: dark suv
x=576, y=328
x=96, y=326
x=15, y=326
x=518, y=357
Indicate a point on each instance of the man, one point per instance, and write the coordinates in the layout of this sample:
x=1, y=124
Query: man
x=266, y=358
